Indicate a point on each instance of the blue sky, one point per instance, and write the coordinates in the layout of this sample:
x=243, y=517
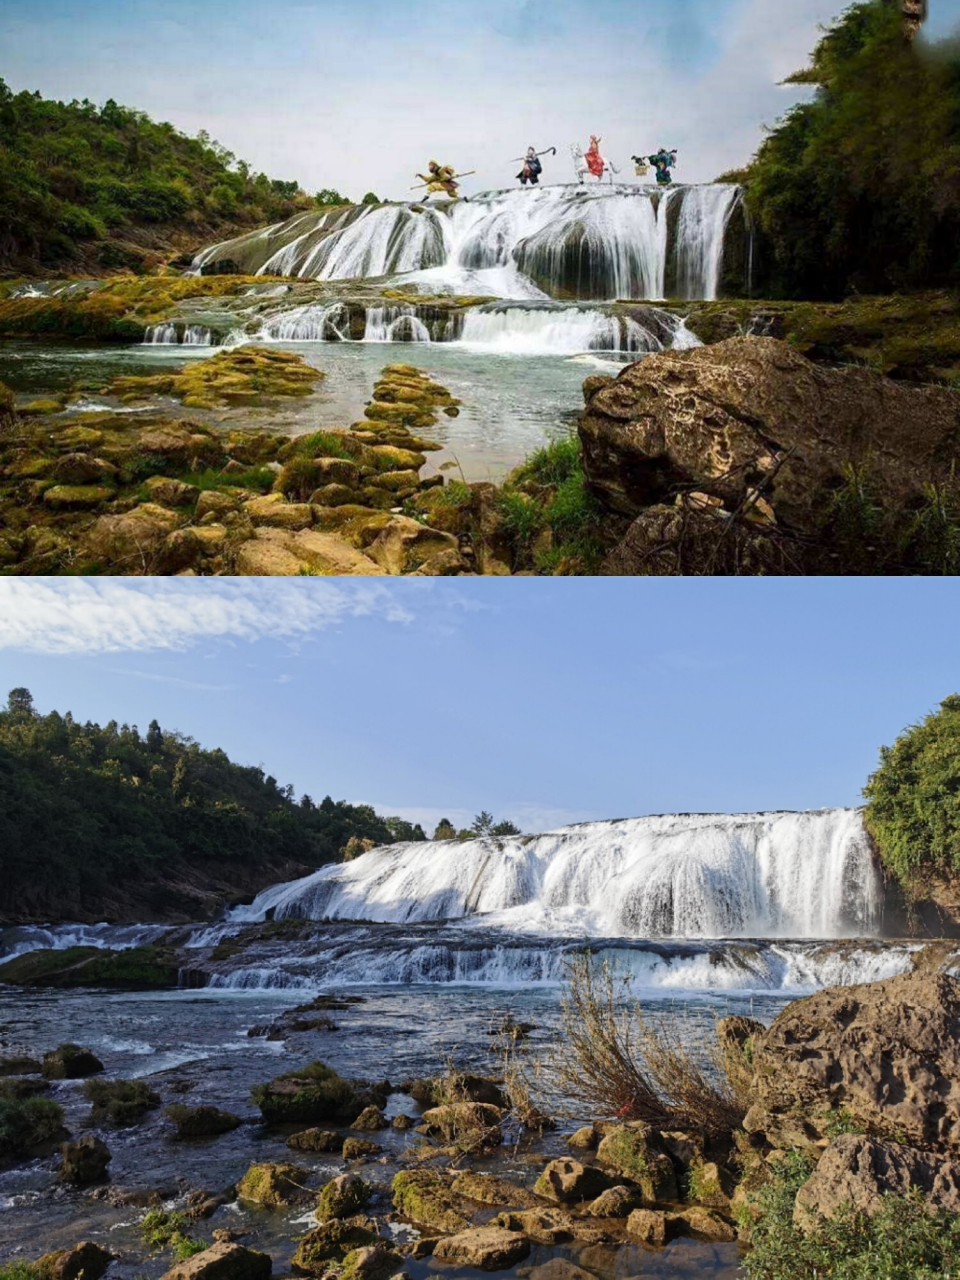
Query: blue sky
x=548, y=702
x=360, y=93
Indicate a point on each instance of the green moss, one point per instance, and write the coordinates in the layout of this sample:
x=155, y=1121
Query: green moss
x=328, y=1243
x=161, y=1229
x=138, y=968
x=119, y=1102
x=311, y=1093
x=342, y=1201
x=243, y=375
x=425, y=1198
x=270, y=1185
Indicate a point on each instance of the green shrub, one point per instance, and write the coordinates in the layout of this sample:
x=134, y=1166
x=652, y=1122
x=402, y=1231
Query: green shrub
x=162, y=1229
x=901, y=1242
x=26, y=1122
x=553, y=464
x=119, y=1102
x=913, y=800
x=321, y=444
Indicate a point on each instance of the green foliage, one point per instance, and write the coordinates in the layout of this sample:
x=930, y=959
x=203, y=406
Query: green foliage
x=327, y=196
x=553, y=463
x=88, y=813
x=26, y=1122
x=859, y=189
x=72, y=172
x=901, y=1240
x=485, y=825
x=370, y=198
x=119, y=1102
x=547, y=495
x=913, y=800
x=18, y=1271
x=401, y=830
x=321, y=444
x=161, y=1229
x=259, y=479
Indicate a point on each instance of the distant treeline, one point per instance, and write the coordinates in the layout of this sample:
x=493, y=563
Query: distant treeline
x=76, y=177
x=859, y=189
x=106, y=822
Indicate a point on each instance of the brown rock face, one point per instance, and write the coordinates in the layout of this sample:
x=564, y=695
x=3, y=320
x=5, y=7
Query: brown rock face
x=224, y=1261
x=84, y=1161
x=488, y=1248
x=85, y=1261
x=570, y=1182
x=886, y=1052
x=749, y=426
x=859, y=1171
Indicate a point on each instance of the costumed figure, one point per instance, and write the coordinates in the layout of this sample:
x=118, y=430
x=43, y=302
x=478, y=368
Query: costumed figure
x=532, y=169
x=441, y=178
x=664, y=161
x=591, y=161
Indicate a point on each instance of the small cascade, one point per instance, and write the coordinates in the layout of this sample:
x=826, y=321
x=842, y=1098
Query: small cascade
x=515, y=329
x=773, y=875
x=197, y=335
x=313, y=323
x=590, y=243
x=394, y=324
x=158, y=335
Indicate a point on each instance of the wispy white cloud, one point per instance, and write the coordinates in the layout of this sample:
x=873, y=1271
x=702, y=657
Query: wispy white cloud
x=109, y=616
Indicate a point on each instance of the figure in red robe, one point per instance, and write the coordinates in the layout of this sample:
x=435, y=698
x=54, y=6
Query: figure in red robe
x=595, y=161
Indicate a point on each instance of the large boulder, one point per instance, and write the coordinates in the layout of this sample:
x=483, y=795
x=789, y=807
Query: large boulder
x=70, y=1062
x=749, y=412
x=405, y=546
x=271, y=1185
x=857, y=1172
x=84, y=1161
x=570, y=1182
x=477, y=1121
x=203, y=1121
x=636, y=1151
x=487, y=1248
x=132, y=542
x=342, y=1197
x=426, y=1199
x=223, y=1261
x=305, y=1095
x=886, y=1053
x=85, y=1261
x=332, y=1242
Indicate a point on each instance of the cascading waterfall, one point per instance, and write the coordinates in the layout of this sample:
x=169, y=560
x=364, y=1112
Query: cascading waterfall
x=167, y=335
x=774, y=875
x=160, y=335
x=591, y=243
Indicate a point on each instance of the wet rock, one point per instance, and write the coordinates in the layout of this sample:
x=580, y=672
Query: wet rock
x=76, y=497
x=559, y=1269
x=473, y=1120
x=312, y=1093
x=370, y=1120
x=857, y=1171
x=354, y=1148
x=85, y=1261
x=700, y=1222
x=331, y=1242
x=425, y=1198
x=70, y=1062
x=372, y=1262
x=487, y=1248
x=569, y=1182
x=635, y=1151
x=405, y=545
x=615, y=1202
x=223, y=1261
x=342, y=1197
x=203, y=1121
x=271, y=1185
x=710, y=1184
x=82, y=469
x=585, y=1139
x=684, y=1149
x=85, y=1161
x=542, y=1226
x=403, y=1122
x=316, y=1140
x=487, y=1188
x=887, y=1053
x=14, y=1065
x=648, y=1225
x=274, y=551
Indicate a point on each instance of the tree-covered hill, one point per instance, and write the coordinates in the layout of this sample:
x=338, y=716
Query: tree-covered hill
x=858, y=191
x=108, y=823
x=90, y=187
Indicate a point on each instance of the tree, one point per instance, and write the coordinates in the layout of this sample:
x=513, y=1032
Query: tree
x=20, y=704
x=913, y=801
x=154, y=738
x=485, y=825
x=445, y=830
x=401, y=830
x=370, y=198
x=330, y=197
x=504, y=828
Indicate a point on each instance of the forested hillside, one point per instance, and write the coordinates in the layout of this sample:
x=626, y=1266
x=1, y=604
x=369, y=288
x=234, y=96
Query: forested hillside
x=108, y=823
x=106, y=187
x=858, y=191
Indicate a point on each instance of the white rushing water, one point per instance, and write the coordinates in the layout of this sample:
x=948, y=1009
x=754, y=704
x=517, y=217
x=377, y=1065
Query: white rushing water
x=771, y=875
x=591, y=243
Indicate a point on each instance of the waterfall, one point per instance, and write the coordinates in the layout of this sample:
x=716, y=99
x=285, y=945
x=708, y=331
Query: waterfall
x=517, y=329
x=161, y=335
x=589, y=243
x=775, y=875
x=167, y=335
x=394, y=324
x=197, y=335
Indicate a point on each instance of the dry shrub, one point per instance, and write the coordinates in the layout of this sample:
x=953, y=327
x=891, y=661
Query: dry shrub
x=611, y=1058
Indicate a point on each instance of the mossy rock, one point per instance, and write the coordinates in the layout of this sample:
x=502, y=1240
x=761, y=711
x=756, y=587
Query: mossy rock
x=70, y=1062
x=137, y=968
x=203, y=1121
x=271, y=1185
x=331, y=1242
x=65, y=497
x=426, y=1199
x=355, y=1148
x=120, y=1103
x=27, y=1123
x=636, y=1152
x=312, y=1093
x=343, y=1197
x=41, y=407
x=327, y=1140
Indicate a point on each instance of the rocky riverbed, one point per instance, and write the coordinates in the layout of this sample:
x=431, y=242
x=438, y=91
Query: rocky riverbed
x=290, y=1165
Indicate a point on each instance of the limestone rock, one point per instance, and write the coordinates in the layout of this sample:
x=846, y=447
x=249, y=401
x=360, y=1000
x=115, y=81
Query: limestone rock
x=859, y=1171
x=342, y=1197
x=370, y=1120
x=487, y=1248
x=425, y=1198
x=585, y=1139
x=372, y=1262
x=559, y=1269
x=84, y=1161
x=223, y=1261
x=171, y=493
x=316, y=1140
x=405, y=545
x=213, y=502
x=77, y=497
x=332, y=1242
x=648, y=1225
x=131, y=542
x=354, y=1148
x=203, y=1121
x=542, y=1226
x=82, y=468
x=887, y=1052
x=274, y=511
x=615, y=1202
x=487, y=1188
x=465, y=1119
x=570, y=1182
x=85, y=1261
x=753, y=413
x=271, y=1185
x=635, y=1150
x=70, y=1062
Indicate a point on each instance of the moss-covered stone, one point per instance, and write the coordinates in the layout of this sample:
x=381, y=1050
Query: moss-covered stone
x=314, y=1092
x=119, y=1102
x=271, y=1185
x=331, y=1242
x=70, y=1062
x=342, y=1197
x=316, y=1140
x=425, y=1198
x=203, y=1121
x=73, y=496
x=354, y=1148
x=137, y=968
x=242, y=375
x=634, y=1150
